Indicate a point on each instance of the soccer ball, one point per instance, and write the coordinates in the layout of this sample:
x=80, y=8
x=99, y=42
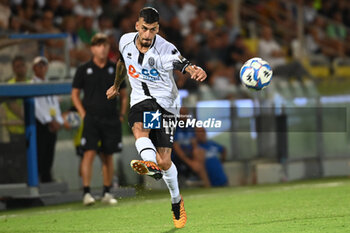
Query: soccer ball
x=256, y=73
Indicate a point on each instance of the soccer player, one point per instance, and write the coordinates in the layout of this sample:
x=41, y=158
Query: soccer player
x=149, y=61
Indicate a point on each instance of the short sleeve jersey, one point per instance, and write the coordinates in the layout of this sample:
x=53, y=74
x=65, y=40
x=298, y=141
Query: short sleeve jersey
x=94, y=81
x=151, y=73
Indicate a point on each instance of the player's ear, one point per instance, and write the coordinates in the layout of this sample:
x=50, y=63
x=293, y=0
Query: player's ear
x=137, y=25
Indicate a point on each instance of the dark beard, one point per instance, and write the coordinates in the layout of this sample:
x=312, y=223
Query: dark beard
x=145, y=45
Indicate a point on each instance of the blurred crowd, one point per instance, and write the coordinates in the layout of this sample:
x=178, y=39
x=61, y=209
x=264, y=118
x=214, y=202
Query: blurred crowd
x=206, y=32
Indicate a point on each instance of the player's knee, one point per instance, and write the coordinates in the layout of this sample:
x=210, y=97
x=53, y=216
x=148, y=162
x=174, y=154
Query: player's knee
x=164, y=164
x=138, y=130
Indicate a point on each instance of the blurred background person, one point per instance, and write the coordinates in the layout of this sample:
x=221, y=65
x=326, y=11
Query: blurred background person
x=215, y=155
x=100, y=116
x=48, y=122
x=187, y=156
x=14, y=109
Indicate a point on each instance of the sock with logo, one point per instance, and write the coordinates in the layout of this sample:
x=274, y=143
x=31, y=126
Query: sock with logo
x=170, y=178
x=146, y=149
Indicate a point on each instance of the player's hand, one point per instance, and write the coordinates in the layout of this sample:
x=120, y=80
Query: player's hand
x=198, y=74
x=112, y=92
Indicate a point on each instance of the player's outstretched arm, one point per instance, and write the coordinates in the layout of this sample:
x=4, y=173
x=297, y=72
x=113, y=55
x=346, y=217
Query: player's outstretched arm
x=196, y=73
x=120, y=74
x=183, y=65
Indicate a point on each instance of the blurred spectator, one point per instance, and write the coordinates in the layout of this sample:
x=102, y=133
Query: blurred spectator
x=86, y=32
x=89, y=8
x=336, y=31
x=270, y=50
x=238, y=53
x=273, y=53
x=185, y=13
x=14, y=108
x=173, y=32
x=28, y=10
x=64, y=9
x=214, y=50
x=15, y=25
x=113, y=53
x=230, y=27
x=48, y=122
x=105, y=24
x=126, y=25
x=223, y=82
x=5, y=14
x=113, y=10
x=167, y=12
x=317, y=36
x=190, y=48
x=52, y=6
x=215, y=155
x=187, y=156
x=309, y=11
x=328, y=7
x=77, y=49
x=53, y=46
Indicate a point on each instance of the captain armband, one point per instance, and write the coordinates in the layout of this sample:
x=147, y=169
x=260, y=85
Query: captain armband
x=181, y=63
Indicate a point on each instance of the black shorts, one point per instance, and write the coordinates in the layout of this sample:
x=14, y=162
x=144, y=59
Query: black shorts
x=162, y=137
x=102, y=134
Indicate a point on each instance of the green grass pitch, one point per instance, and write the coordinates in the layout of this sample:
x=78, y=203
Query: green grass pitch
x=309, y=206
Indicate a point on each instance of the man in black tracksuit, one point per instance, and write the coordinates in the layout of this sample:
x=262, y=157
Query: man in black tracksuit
x=102, y=128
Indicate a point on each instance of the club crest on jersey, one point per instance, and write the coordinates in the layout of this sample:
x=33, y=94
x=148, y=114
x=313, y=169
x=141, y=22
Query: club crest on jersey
x=151, y=61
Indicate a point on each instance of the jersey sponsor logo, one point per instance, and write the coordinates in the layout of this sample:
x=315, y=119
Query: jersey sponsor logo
x=150, y=75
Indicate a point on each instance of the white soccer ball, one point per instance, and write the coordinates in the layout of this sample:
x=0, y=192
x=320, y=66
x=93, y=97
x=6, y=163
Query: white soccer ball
x=256, y=73
x=73, y=119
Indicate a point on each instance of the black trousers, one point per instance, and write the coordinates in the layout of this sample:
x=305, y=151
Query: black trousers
x=46, y=142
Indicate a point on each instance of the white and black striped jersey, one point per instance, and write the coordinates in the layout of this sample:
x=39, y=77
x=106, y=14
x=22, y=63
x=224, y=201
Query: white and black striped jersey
x=151, y=74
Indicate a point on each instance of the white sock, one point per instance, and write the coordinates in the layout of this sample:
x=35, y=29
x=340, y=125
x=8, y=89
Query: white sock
x=170, y=178
x=146, y=149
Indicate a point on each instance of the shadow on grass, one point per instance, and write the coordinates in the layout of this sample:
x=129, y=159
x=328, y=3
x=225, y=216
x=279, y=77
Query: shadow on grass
x=171, y=230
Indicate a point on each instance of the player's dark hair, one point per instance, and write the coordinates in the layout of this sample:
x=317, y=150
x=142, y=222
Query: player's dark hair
x=149, y=14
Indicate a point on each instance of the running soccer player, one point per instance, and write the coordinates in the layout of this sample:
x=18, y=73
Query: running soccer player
x=149, y=61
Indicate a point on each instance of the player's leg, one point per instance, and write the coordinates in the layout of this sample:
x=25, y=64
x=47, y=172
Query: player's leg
x=147, y=151
x=163, y=140
x=170, y=179
x=144, y=145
